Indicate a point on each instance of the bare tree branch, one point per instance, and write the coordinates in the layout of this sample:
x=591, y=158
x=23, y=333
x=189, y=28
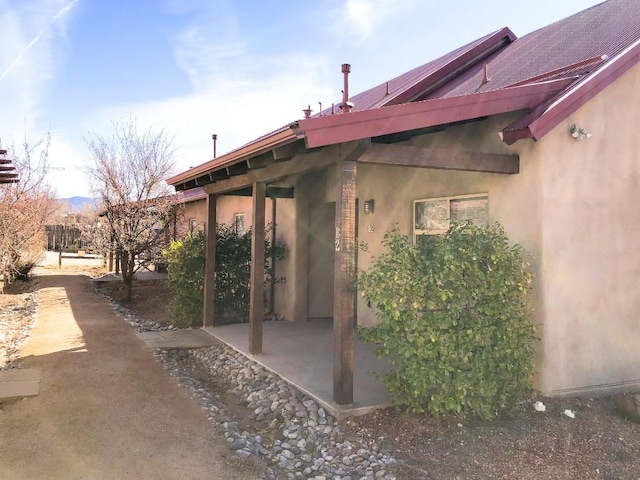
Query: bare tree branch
x=25, y=207
x=127, y=174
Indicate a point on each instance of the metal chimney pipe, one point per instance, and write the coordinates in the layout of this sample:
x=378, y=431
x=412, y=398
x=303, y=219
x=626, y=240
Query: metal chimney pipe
x=214, y=137
x=346, y=69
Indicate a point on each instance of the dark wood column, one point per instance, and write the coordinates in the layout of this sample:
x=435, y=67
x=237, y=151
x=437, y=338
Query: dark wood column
x=344, y=288
x=208, y=316
x=256, y=302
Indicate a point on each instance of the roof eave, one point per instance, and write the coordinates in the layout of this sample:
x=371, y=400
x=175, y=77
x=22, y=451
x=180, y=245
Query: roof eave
x=331, y=130
x=278, y=138
x=537, y=124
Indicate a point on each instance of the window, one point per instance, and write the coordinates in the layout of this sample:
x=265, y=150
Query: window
x=238, y=223
x=433, y=216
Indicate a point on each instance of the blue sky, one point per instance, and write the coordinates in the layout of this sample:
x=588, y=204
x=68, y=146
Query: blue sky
x=239, y=68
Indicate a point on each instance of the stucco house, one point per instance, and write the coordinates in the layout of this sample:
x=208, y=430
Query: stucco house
x=234, y=210
x=539, y=133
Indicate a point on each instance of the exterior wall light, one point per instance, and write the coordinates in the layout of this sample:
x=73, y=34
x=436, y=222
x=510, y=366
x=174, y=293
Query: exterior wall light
x=578, y=132
x=369, y=206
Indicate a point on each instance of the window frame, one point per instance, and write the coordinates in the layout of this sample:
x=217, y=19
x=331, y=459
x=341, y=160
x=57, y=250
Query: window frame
x=444, y=226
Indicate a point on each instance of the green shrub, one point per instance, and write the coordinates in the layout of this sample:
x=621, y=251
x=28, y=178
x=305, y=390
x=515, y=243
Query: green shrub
x=186, y=261
x=453, y=321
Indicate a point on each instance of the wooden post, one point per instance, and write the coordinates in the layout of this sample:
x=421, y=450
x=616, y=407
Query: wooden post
x=208, y=308
x=256, y=302
x=272, y=261
x=344, y=287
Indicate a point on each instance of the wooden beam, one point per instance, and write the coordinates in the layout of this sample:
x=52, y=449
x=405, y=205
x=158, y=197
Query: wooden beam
x=208, y=315
x=237, y=168
x=344, y=288
x=307, y=162
x=288, y=151
x=411, y=156
x=260, y=161
x=272, y=192
x=256, y=299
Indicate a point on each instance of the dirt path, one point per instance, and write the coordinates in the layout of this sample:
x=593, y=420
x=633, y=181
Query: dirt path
x=106, y=408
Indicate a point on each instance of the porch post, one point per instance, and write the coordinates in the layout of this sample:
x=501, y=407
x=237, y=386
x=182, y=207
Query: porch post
x=343, y=286
x=208, y=317
x=256, y=301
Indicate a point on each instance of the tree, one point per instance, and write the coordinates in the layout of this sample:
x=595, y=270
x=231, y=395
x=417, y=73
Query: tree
x=25, y=207
x=127, y=175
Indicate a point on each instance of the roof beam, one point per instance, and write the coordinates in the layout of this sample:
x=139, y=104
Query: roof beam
x=444, y=159
x=260, y=161
x=288, y=151
x=272, y=192
x=299, y=164
x=333, y=129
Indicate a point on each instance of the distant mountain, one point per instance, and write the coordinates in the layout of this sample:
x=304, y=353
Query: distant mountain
x=77, y=204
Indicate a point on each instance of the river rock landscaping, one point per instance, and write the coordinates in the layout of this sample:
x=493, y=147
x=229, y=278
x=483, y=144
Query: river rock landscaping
x=262, y=415
x=290, y=436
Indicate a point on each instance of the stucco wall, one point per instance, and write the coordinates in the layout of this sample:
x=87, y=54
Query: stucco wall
x=395, y=188
x=591, y=207
x=574, y=207
x=227, y=206
x=196, y=212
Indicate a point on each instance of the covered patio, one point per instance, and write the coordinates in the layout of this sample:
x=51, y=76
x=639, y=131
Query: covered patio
x=301, y=354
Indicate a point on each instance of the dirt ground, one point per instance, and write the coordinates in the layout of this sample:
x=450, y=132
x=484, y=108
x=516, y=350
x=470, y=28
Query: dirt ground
x=106, y=408
x=597, y=444
x=150, y=298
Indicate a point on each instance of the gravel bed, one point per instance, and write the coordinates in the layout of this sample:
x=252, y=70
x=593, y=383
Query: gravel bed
x=264, y=417
x=16, y=321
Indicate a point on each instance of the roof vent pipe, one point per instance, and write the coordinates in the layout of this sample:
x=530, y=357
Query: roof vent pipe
x=307, y=112
x=346, y=106
x=214, y=137
x=485, y=74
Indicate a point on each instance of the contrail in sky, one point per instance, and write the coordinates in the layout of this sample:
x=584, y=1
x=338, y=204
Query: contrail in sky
x=35, y=39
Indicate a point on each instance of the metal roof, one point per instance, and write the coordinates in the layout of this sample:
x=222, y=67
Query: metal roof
x=563, y=65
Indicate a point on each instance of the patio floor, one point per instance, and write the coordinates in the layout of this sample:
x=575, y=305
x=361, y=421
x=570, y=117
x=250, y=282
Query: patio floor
x=302, y=354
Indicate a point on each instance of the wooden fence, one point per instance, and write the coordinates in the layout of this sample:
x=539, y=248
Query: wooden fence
x=64, y=237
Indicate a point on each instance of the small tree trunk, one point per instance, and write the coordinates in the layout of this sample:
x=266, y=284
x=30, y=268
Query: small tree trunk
x=128, y=264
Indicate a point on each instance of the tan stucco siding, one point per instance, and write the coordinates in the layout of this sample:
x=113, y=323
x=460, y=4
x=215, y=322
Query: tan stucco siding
x=574, y=206
x=513, y=200
x=196, y=212
x=591, y=234
x=228, y=206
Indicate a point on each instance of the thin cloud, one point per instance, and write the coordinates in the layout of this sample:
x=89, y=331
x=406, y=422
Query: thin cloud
x=237, y=94
x=360, y=19
x=64, y=10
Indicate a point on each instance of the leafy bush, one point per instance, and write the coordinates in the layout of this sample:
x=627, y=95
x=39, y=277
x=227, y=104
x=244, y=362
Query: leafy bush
x=186, y=278
x=453, y=321
x=186, y=261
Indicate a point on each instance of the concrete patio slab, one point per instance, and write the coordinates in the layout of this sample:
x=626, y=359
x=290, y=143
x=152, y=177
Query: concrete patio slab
x=19, y=383
x=177, y=339
x=302, y=354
